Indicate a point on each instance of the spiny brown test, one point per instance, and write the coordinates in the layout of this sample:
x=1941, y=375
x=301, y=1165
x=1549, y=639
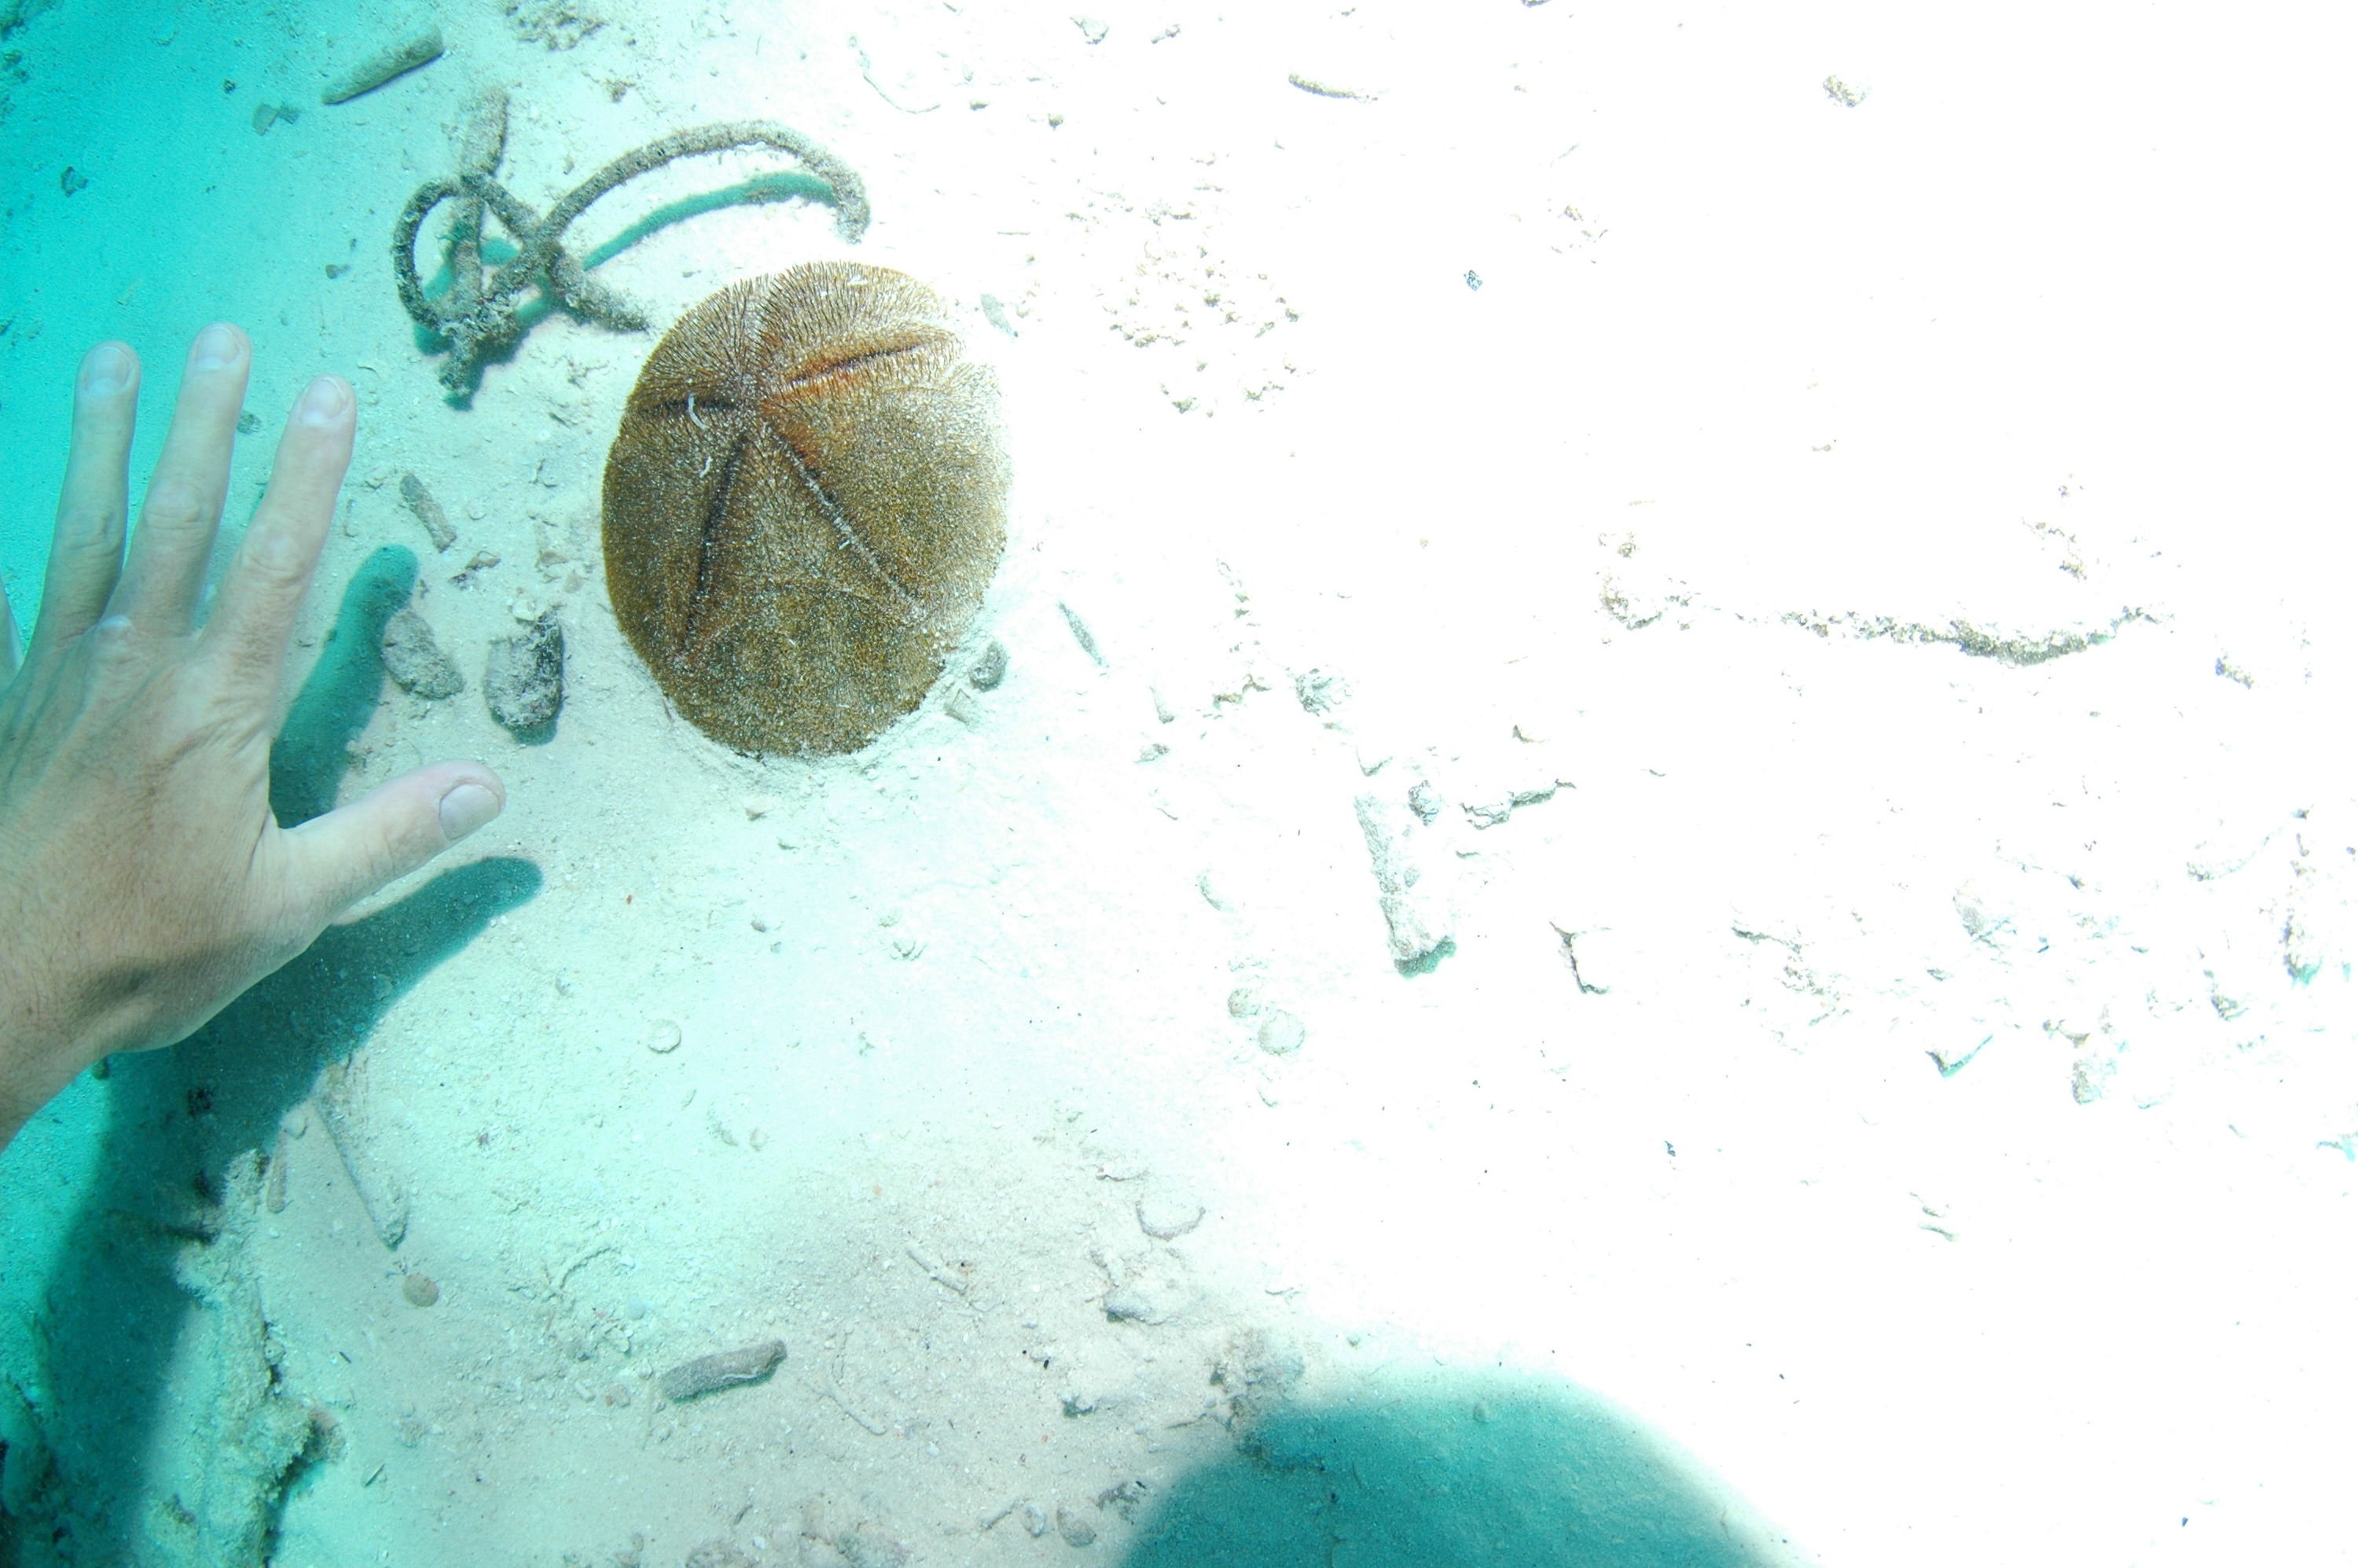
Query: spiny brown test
x=804, y=505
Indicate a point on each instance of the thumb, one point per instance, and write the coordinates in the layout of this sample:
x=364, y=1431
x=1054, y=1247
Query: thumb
x=342, y=858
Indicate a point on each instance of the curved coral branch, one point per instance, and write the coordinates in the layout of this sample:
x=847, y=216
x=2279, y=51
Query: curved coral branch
x=850, y=195
x=422, y=200
x=480, y=320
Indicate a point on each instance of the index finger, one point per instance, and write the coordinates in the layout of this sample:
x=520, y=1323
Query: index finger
x=253, y=614
x=86, y=546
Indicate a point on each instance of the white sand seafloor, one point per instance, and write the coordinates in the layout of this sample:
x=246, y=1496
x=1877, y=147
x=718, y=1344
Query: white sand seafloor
x=1862, y=587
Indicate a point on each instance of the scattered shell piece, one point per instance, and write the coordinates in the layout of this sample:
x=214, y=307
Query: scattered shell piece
x=1075, y=1528
x=1168, y=1218
x=1082, y=634
x=1213, y=893
x=524, y=676
x=1128, y=1304
x=1282, y=1033
x=1327, y=88
x=1320, y=691
x=718, y=1552
x=419, y=1290
x=429, y=511
x=1596, y=955
x=1982, y=922
x=1413, y=907
x=554, y=24
x=866, y=1545
x=416, y=661
x=663, y=1037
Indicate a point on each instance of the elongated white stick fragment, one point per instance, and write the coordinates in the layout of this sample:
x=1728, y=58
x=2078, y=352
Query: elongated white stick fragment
x=394, y=59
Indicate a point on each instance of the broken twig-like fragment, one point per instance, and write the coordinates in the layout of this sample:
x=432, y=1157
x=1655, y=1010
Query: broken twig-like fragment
x=383, y=1197
x=394, y=59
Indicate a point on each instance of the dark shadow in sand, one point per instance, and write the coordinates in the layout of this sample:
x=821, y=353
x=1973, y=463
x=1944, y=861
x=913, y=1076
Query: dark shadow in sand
x=173, y=1119
x=1449, y=1473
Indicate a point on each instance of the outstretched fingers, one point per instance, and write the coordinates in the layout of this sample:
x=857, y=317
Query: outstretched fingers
x=164, y=568
x=253, y=611
x=86, y=547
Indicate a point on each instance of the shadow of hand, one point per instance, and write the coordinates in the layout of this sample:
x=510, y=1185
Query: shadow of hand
x=173, y=1119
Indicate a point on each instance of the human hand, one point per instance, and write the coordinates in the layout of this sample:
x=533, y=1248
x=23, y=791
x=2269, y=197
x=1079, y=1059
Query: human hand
x=143, y=883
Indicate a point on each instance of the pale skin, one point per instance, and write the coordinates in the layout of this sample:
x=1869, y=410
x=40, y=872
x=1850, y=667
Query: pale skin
x=143, y=882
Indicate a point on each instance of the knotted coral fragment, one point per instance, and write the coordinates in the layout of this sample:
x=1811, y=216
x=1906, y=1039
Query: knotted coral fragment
x=482, y=317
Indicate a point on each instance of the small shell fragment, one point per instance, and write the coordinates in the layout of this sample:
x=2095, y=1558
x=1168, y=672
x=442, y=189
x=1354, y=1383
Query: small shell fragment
x=1282, y=1033
x=428, y=511
x=1167, y=1219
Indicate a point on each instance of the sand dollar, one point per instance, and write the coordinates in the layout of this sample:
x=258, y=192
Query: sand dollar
x=804, y=505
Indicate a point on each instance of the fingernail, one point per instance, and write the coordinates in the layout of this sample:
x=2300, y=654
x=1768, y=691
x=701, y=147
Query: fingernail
x=322, y=402
x=216, y=346
x=106, y=371
x=465, y=808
